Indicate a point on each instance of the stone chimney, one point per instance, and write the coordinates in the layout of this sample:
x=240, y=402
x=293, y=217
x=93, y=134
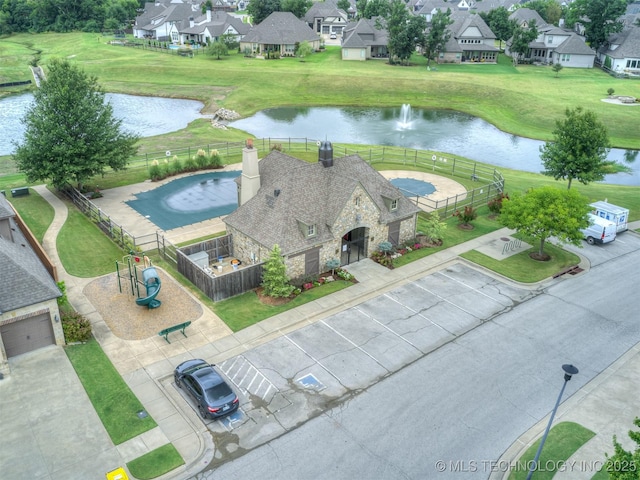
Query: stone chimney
x=250, y=179
x=325, y=154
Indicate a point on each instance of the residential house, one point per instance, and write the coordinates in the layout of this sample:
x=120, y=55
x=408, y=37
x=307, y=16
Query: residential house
x=209, y=28
x=621, y=53
x=488, y=5
x=326, y=18
x=335, y=209
x=279, y=32
x=553, y=44
x=158, y=18
x=364, y=40
x=29, y=316
x=471, y=40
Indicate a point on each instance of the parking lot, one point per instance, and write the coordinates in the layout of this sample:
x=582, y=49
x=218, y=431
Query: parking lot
x=297, y=376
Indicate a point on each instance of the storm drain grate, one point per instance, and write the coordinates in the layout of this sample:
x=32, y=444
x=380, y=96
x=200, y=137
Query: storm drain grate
x=310, y=381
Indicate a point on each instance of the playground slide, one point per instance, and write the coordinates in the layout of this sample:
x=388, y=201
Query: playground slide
x=152, y=284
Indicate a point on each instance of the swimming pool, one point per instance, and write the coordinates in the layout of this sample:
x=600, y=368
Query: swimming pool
x=188, y=200
x=410, y=187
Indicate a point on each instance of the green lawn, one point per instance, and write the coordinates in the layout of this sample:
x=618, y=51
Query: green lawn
x=525, y=100
x=114, y=402
x=244, y=310
x=563, y=440
x=83, y=249
x=35, y=211
x=155, y=463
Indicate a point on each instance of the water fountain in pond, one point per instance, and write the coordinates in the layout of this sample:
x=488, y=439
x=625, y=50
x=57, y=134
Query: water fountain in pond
x=405, y=117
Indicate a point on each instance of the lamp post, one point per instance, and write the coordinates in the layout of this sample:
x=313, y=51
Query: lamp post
x=569, y=371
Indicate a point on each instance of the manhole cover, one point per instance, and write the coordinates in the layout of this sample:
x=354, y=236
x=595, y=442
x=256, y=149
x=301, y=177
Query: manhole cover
x=505, y=239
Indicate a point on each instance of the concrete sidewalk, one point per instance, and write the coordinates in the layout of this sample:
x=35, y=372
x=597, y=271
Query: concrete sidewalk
x=146, y=364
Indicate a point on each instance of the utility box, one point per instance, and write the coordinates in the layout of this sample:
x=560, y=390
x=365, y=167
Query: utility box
x=200, y=258
x=614, y=213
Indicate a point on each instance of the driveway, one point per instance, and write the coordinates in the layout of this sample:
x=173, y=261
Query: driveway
x=42, y=400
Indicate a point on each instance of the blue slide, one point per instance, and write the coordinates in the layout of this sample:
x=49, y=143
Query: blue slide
x=152, y=284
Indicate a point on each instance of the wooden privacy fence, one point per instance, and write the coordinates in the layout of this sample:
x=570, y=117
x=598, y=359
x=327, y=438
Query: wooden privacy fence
x=217, y=286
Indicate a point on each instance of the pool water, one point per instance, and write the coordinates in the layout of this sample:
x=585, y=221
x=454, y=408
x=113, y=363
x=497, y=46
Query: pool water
x=188, y=200
x=410, y=187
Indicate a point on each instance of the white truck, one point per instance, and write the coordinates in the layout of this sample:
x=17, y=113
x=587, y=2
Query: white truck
x=614, y=213
x=599, y=230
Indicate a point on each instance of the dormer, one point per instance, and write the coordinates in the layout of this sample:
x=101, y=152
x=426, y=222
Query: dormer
x=391, y=203
x=308, y=230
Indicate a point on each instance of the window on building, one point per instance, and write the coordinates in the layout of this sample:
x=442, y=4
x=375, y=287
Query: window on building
x=357, y=201
x=565, y=57
x=549, y=39
x=393, y=205
x=311, y=230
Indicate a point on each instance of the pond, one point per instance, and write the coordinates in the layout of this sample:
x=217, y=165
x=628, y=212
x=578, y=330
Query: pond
x=440, y=130
x=146, y=116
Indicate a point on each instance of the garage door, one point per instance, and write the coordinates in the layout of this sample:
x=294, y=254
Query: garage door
x=26, y=335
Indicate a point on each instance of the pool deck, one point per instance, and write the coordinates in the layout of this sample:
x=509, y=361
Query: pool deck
x=113, y=203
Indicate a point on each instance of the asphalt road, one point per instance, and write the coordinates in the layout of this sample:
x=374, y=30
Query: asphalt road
x=453, y=412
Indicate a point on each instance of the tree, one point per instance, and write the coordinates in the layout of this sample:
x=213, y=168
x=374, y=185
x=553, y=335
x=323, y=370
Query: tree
x=297, y=7
x=556, y=68
x=304, y=50
x=71, y=133
x=438, y=34
x=274, y=275
x=405, y=32
x=217, y=49
x=623, y=464
x=261, y=9
x=579, y=148
x=549, y=10
x=344, y=5
x=546, y=212
x=601, y=18
x=520, y=40
x=499, y=23
x=375, y=8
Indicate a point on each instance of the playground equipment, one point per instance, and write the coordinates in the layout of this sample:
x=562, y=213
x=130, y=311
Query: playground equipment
x=147, y=277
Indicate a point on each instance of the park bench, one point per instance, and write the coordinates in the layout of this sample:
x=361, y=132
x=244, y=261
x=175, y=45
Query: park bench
x=19, y=192
x=165, y=333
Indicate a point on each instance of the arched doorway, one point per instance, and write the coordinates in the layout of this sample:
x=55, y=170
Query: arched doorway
x=354, y=246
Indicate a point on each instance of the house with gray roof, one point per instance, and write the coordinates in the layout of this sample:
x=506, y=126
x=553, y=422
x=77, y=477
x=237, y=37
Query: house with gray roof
x=471, y=40
x=279, y=32
x=553, y=44
x=338, y=208
x=208, y=28
x=326, y=18
x=158, y=18
x=364, y=40
x=29, y=316
x=621, y=53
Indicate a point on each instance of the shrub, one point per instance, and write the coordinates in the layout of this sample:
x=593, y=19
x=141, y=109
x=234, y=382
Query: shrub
x=155, y=172
x=76, y=327
x=63, y=301
x=385, y=247
x=495, y=204
x=383, y=259
x=201, y=159
x=190, y=165
x=433, y=227
x=344, y=275
x=468, y=215
x=176, y=166
x=611, y=91
x=215, y=161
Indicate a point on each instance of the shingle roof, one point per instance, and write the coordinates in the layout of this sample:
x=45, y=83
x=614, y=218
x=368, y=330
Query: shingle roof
x=280, y=28
x=575, y=45
x=362, y=33
x=312, y=194
x=628, y=41
x=522, y=15
x=220, y=22
x=24, y=280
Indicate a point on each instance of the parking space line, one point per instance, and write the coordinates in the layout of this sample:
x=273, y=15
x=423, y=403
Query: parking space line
x=445, y=300
x=353, y=343
x=469, y=287
x=386, y=327
x=314, y=359
x=420, y=314
x=247, y=368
